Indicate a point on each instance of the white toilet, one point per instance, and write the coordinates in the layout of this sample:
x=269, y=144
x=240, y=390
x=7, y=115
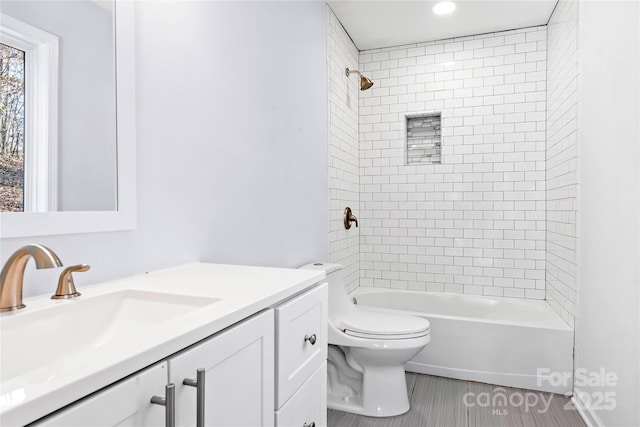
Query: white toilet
x=368, y=349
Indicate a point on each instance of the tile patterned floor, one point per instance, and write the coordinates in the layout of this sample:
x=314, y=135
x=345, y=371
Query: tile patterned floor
x=440, y=402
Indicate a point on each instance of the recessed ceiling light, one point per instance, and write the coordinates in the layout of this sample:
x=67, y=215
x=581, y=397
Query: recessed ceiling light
x=444, y=8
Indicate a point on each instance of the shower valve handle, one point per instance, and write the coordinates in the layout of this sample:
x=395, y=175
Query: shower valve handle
x=349, y=217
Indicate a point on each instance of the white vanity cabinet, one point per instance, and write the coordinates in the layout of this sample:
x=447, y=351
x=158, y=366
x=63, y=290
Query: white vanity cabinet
x=264, y=371
x=301, y=355
x=126, y=403
x=238, y=367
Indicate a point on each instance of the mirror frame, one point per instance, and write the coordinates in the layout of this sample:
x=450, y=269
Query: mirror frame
x=25, y=224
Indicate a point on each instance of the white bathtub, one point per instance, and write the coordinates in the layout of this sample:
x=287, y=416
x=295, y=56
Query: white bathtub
x=503, y=341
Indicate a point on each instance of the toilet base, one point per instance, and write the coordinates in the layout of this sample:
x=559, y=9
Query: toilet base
x=374, y=391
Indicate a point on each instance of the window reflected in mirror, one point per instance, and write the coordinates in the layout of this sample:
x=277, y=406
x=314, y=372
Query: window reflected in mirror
x=66, y=146
x=12, y=88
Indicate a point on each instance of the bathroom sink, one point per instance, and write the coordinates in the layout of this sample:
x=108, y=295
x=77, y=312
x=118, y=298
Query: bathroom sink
x=38, y=341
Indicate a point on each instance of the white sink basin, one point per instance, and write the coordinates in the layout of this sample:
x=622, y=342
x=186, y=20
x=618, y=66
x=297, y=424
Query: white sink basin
x=38, y=341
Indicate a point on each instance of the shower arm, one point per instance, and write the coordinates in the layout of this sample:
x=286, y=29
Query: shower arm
x=348, y=71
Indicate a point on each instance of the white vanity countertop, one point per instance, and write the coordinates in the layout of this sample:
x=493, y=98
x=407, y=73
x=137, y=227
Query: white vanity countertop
x=242, y=291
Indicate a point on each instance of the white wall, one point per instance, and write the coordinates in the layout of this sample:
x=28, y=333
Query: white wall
x=232, y=143
x=475, y=223
x=609, y=196
x=242, y=88
x=344, y=173
x=561, y=159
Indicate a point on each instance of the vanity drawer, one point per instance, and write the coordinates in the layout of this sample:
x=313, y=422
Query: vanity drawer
x=301, y=340
x=308, y=405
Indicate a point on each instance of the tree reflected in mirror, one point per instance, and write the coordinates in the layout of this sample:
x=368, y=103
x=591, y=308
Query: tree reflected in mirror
x=11, y=129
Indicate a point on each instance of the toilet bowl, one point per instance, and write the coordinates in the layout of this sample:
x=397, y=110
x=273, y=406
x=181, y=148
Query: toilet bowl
x=368, y=349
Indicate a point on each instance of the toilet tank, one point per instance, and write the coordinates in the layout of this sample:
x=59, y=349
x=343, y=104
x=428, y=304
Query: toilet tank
x=339, y=302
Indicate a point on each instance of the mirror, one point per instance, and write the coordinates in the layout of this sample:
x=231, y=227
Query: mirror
x=92, y=206
x=73, y=83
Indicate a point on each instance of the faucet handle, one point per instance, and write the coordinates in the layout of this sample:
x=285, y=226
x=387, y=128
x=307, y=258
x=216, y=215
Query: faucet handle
x=66, y=287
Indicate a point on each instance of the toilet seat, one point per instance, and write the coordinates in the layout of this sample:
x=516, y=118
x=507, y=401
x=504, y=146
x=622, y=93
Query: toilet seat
x=382, y=325
x=385, y=337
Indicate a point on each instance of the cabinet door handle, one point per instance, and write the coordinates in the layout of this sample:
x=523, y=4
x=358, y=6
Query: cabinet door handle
x=169, y=403
x=199, y=383
x=311, y=339
x=311, y=424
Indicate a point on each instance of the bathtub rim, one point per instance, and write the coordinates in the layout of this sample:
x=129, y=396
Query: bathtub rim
x=561, y=324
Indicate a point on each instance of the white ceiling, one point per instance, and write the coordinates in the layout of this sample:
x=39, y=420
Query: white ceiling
x=375, y=24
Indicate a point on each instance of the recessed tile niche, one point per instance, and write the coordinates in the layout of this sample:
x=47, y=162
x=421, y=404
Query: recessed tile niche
x=424, y=139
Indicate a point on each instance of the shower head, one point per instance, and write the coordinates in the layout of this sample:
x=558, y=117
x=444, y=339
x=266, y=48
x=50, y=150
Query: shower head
x=365, y=83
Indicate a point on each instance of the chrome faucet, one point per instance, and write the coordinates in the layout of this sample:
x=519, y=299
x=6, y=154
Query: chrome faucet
x=13, y=273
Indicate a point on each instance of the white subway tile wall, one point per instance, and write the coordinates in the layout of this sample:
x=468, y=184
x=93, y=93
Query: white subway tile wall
x=344, y=173
x=562, y=154
x=474, y=224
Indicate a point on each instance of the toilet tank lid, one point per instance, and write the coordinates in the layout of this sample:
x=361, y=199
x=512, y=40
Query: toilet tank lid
x=324, y=266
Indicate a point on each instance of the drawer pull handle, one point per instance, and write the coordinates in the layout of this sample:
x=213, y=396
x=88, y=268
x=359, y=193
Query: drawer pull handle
x=199, y=383
x=312, y=340
x=311, y=424
x=169, y=403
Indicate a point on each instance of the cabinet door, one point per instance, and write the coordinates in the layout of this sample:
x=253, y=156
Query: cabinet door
x=239, y=376
x=125, y=403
